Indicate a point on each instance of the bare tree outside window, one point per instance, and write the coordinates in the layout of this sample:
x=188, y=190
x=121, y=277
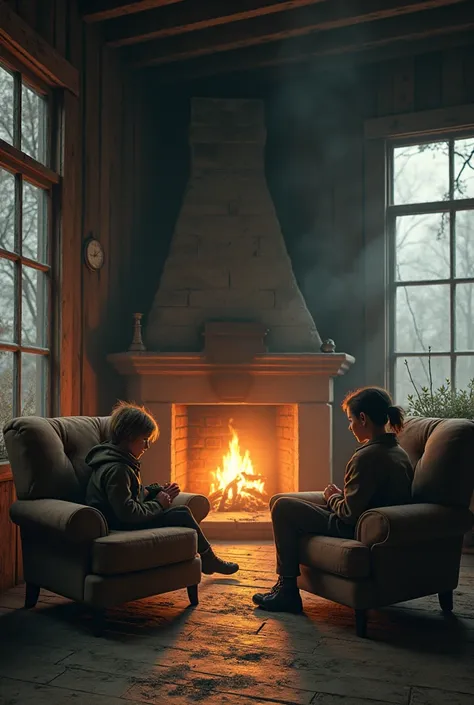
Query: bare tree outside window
x=431, y=228
x=25, y=270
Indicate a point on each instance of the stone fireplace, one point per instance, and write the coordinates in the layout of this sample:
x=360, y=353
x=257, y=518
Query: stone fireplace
x=232, y=347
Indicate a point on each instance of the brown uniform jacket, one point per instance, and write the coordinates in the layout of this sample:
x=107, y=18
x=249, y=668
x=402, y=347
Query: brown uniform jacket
x=379, y=474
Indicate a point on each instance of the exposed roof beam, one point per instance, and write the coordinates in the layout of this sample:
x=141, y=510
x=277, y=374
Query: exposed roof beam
x=100, y=10
x=170, y=21
x=321, y=18
x=346, y=44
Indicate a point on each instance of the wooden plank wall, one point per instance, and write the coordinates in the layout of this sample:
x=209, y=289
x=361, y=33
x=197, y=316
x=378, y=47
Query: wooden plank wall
x=97, y=183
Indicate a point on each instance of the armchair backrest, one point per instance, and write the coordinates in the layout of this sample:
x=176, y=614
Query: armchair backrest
x=442, y=453
x=47, y=455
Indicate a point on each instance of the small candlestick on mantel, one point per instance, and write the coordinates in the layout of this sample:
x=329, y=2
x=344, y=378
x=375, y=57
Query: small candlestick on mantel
x=137, y=342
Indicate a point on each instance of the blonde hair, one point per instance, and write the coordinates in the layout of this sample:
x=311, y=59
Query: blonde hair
x=129, y=421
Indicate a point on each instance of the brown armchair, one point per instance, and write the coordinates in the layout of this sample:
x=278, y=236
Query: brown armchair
x=67, y=546
x=403, y=552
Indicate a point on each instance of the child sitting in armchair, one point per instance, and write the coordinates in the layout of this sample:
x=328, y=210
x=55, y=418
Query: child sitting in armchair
x=115, y=487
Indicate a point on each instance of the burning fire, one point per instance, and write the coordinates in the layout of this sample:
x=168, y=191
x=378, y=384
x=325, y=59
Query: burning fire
x=236, y=486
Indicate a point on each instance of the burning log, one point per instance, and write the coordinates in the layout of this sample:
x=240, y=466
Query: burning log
x=249, y=499
x=225, y=495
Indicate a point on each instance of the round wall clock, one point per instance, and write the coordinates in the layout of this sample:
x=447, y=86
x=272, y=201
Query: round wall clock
x=94, y=254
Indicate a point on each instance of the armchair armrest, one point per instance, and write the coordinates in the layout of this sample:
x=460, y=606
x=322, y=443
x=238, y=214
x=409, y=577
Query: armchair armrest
x=68, y=520
x=408, y=523
x=313, y=497
x=198, y=504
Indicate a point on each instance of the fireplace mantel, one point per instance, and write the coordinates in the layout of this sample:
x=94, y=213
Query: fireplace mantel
x=267, y=378
x=163, y=381
x=294, y=364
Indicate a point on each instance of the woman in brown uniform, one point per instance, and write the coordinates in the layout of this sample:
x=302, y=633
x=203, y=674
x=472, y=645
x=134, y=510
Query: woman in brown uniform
x=379, y=474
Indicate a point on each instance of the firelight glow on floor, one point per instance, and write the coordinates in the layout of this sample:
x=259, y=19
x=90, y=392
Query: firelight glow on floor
x=225, y=652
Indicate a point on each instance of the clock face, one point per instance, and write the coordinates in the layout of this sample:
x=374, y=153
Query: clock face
x=94, y=254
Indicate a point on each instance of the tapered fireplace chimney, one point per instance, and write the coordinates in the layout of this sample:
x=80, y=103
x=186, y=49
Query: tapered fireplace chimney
x=227, y=259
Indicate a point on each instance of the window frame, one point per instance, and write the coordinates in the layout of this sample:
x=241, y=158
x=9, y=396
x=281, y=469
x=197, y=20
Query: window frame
x=449, y=206
x=380, y=134
x=47, y=178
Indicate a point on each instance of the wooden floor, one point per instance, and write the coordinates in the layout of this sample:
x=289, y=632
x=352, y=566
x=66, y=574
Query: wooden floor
x=225, y=652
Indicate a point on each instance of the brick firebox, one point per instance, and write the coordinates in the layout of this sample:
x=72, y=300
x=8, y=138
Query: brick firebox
x=201, y=435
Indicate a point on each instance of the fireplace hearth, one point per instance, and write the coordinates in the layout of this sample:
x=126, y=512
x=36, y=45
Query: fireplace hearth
x=232, y=347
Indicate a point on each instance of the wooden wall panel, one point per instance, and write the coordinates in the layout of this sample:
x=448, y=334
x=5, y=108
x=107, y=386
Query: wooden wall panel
x=8, y=538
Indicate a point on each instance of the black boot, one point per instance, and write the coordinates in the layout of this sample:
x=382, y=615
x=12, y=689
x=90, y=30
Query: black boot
x=284, y=598
x=212, y=564
x=259, y=597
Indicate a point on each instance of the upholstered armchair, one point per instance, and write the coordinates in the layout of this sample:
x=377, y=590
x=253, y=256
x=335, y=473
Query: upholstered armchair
x=403, y=552
x=67, y=546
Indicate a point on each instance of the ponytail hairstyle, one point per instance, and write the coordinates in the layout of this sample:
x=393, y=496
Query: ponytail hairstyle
x=377, y=404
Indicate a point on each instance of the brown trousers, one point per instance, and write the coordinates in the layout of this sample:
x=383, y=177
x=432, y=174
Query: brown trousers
x=293, y=518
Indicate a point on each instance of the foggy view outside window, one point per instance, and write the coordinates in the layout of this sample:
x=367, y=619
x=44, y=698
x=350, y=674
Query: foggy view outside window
x=431, y=229
x=24, y=257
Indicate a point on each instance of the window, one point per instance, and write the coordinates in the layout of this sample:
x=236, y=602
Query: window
x=431, y=263
x=26, y=191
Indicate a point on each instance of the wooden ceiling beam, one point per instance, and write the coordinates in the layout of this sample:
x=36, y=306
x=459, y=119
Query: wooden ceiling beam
x=321, y=18
x=100, y=10
x=345, y=45
x=190, y=17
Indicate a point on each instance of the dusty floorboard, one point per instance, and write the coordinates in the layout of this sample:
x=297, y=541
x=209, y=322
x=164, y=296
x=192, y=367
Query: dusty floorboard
x=225, y=652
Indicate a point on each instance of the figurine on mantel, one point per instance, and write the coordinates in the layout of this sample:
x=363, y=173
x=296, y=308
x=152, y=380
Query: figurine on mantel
x=328, y=346
x=137, y=342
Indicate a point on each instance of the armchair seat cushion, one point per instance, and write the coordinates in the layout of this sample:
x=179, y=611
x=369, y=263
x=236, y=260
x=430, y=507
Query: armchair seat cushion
x=344, y=557
x=131, y=551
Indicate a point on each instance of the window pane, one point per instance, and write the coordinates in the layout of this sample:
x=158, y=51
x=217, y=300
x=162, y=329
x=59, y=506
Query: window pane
x=440, y=372
x=422, y=247
x=464, y=227
x=421, y=173
x=422, y=318
x=33, y=124
x=465, y=317
x=464, y=371
x=464, y=168
x=7, y=210
x=6, y=105
x=34, y=307
x=34, y=371
x=7, y=301
x=34, y=230
x=6, y=395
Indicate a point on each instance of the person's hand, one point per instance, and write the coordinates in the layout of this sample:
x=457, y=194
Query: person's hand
x=173, y=489
x=330, y=491
x=164, y=499
x=145, y=492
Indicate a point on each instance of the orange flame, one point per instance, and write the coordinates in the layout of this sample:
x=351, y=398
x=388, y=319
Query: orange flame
x=236, y=485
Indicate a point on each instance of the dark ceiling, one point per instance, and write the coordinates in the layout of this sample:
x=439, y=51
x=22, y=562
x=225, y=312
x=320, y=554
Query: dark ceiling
x=187, y=39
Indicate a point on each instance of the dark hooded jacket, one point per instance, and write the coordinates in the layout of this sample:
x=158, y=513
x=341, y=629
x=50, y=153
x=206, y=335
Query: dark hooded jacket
x=115, y=489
